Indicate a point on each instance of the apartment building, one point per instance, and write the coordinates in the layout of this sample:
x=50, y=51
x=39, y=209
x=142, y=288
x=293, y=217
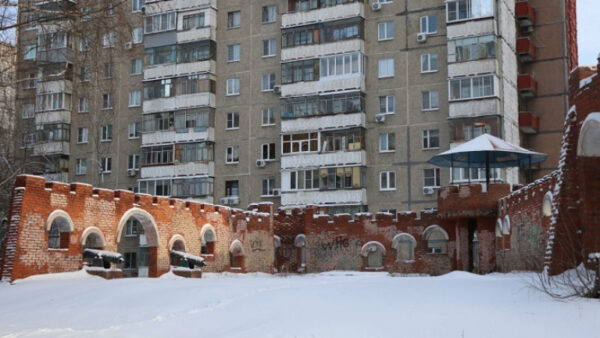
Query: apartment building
x=335, y=103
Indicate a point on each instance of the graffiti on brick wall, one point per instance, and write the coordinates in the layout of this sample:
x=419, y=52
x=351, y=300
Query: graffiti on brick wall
x=257, y=246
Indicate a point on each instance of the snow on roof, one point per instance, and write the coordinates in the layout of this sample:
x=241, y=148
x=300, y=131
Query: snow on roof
x=587, y=81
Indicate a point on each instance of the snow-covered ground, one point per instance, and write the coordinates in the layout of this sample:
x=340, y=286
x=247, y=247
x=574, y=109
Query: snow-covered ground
x=337, y=304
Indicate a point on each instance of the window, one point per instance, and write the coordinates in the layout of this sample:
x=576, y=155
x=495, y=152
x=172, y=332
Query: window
x=268, y=185
x=234, y=19
x=87, y=13
x=81, y=166
x=160, y=55
x=268, y=117
x=405, y=247
x=431, y=139
x=133, y=162
x=85, y=74
x=199, y=186
x=84, y=105
x=460, y=175
x=457, y=10
x=387, y=142
x=160, y=22
x=234, y=52
x=387, y=180
x=136, y=66
x=135, y=98
x=431, y=100
x=269, y=14
x=58, y=236
x=133, y=130
x=82, y=135
x=110, y=9
x=233, y=86
x=193, y=21
x=304, y=179
x=85, y=43
x=107, y=101
x=108, y=40
x=137, y=35
x=472, y=87
x=130, y=261
x=193, y=152
x=232, y=188
x=300, y=143
x=342, y=140
x=28, y=111
x=386, y=68
x=208, y=243
x=136, y=5
x=53, y=101
x=268, y=82
x=232, y=154
x=429, y=63
x=431, y=178
x=342, y=178
x=472, y=48
x=269, y=47
x=132, y=227
x=322, y=104
x=299, y=71
x=106, y=133
x=341, y=65
x=268, y=152
x=429, y=24
x=386, y=104
x=105, y=164
x=108, y=70
x=385, y=30
x=30, y=81
x=30, y=52
x=473, y=131
x=233, y=120
x=157, y=155
x=436, y=239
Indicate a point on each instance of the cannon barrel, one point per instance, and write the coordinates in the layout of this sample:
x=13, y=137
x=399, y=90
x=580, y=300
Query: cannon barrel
x=192, y=260
x=105, y=256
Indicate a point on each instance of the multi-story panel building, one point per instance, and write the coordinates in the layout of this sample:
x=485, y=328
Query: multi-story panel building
x=338, y=103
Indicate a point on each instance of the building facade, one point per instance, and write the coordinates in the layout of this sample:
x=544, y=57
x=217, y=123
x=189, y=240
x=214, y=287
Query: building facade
x=337, y=104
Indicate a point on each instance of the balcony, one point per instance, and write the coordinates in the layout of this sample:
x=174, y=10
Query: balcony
x=525, y=49
x=475, y=108
x=466, y=68
x=179, y=69
x=204, y=99
x=527, y=86
x=166, y=6
x=318, y=50
x=205, y=33
x=324, y=85
x=54, y=116
x=54, y=86
x=51, y=148
x=311, y=160
x=312, y=123
x=324, y=197
x=471, y=28
x=178, y=136
x=337, y=12
x=525, y=15
x=179, y=170
x=57, y=177
x=55, y=55
x=528, y=123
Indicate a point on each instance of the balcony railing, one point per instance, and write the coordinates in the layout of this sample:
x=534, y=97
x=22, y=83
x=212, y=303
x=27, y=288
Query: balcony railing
x=525, y=49
x=527, y=86
x=525, y=15
x=528, y=123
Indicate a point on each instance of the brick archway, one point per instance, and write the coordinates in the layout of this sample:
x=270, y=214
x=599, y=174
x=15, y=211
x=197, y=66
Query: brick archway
x=147, y=221
x=59, y=214
x=88, y=232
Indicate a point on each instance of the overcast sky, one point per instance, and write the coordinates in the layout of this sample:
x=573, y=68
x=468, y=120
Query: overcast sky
x=588, y=29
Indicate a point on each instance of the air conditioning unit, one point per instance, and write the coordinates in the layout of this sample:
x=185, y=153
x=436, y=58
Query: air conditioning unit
x=428, y=190
x=276, y=192
x=128, y=45
x=131, y=172
x=261, y=163
x=277, y=89
x=421, y=37
x=380, y=118
x=376, y=6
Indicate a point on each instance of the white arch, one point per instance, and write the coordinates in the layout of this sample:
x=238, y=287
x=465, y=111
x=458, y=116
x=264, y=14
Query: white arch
x=234, y=244
x=175, y=238
x=399, y=236
x=365, y=248
x=437, y=227
x=56, y=214
x=147, y=221
x=276, y=241
x=506, y=225
x=206, y=227
x=92, y=230
x=300, y=241
x=547, y=204
x=589, y=136
x=498, y=227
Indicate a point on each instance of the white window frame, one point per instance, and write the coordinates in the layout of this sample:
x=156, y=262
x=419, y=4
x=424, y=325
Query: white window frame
x=233, y=86
x=136, y=162
x=269, y=114
x=270, y=188
x=137, y=35
x=28, y=111
x=135, y=98
x=386, y=65
x=136, y=5
x=264, y=156
x=109, y=39
x=231, y=152
x=106, y=133
x=385, y=26
x=390, y=146
x=390, y=180
x=268, y=82
x=234, y=14
x=470, y=14
x=171, y=18
x=134, y=67
x=271, y=15
x=424, y=24
x=436, y=177
x=471, y=80
x=133, y=130
x=30, y=52
x=426, y=63
x=105, y=165
x=81, y=166
x=82, y=135
x=388, y=102
x=84, y=105
x=271, y=46
x=234, y=52
x=109, y=100
x=233, y=120
x=430, y=95
x=427, y=139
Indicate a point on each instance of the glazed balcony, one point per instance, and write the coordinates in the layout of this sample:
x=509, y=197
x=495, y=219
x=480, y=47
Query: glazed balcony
x=301, y=16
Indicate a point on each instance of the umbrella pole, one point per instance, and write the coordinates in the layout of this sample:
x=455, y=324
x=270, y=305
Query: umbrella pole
x=487, y=168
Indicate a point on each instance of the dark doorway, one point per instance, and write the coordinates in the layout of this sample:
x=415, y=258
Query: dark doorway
x=473, y=246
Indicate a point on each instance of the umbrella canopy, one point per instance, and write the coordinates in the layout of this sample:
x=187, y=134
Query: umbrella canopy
x=487, y=151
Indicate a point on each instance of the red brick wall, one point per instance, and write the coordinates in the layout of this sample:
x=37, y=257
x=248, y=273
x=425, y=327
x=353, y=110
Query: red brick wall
x=34, y=200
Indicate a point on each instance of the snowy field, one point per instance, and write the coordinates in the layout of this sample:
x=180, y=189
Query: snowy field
x=337, y=304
